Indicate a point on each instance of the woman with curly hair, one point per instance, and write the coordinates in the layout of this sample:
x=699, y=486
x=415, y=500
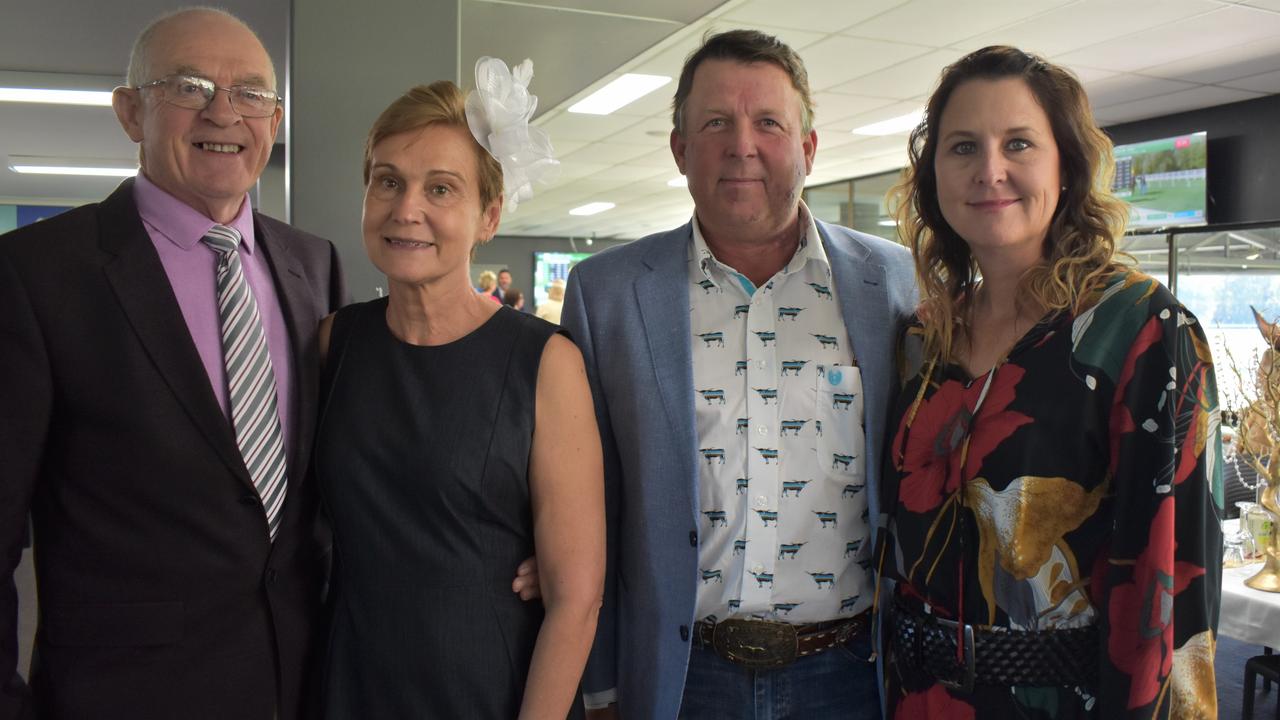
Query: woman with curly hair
x=1055, y=456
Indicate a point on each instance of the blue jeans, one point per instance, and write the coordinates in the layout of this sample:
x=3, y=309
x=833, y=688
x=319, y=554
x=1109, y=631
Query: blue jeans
x=837, y=683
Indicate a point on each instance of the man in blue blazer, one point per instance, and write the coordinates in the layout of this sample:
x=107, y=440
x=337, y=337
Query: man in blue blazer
x=742, y=367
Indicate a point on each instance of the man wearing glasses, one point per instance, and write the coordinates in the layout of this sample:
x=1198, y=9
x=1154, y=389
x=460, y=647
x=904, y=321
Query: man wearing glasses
x=157, y=396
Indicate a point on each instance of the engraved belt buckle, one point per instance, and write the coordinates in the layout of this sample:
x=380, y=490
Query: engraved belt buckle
x=756, y=644
x=965, y=681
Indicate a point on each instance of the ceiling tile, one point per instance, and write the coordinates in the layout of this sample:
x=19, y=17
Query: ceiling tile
x=916, y=76
x=1086, y=23
x=839, y=59
x=575, y=127
x=1211, y=31
x=935, y=22
x=1125, y=87
x=1203, y=96
x=1268, y=83
x=888, y=111
x=813, y=15
x=833, y=106
x=607, y=153
x=1236, y=61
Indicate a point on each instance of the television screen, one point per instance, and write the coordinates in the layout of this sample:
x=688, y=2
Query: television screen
x=548, y=266
x=1163, y=181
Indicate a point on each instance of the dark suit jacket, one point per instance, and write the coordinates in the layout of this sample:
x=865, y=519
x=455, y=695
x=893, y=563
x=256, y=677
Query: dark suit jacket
x=160, y=593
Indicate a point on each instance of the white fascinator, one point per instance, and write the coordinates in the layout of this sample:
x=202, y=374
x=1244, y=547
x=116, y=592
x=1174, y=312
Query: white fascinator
x=498, y=113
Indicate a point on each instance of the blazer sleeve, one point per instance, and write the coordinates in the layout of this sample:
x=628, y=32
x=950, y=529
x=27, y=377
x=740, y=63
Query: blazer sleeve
x=26, y=393
x=601, y=672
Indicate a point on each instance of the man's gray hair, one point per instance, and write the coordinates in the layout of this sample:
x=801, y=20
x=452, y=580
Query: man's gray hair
x=138, y=60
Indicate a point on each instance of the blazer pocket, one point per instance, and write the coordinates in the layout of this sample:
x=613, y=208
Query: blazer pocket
x=113, y=624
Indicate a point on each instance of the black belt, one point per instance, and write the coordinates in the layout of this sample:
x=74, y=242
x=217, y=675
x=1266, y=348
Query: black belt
x=998, y=656
x=763, y=644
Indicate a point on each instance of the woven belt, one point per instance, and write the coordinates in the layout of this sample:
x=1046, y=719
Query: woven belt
x=760, y=644
x=1067, y=657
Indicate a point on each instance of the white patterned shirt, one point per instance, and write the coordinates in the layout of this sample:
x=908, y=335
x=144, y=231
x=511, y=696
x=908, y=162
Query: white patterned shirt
x=784, y=533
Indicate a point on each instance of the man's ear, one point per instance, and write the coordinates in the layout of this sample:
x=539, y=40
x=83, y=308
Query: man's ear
x=127, y=102
x=677, y=149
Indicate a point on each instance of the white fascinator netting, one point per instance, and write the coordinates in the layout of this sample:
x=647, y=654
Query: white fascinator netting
x=498, y=113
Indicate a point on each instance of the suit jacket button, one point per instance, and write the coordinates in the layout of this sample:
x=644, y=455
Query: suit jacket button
x=693, y=538
x=250, y=499
x=684, y=633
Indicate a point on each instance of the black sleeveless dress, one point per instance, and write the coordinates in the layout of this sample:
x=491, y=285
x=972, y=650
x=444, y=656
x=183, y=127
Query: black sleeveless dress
x=422, y=459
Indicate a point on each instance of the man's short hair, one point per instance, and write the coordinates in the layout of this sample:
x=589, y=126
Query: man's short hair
x=744, y=46
x=138, y=60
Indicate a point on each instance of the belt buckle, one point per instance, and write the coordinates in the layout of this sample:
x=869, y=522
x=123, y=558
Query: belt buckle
x=756, y=644
x=965, y=683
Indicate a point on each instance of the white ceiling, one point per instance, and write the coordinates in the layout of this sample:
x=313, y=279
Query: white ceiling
x=868, y=60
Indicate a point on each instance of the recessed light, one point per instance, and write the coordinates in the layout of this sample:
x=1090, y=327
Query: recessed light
x=55, y=97
x=892, y=126
x=592, y=208
x=619, y=93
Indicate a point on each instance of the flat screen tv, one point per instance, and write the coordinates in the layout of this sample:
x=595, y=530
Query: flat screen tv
x=548, y=266
x=1163, y=180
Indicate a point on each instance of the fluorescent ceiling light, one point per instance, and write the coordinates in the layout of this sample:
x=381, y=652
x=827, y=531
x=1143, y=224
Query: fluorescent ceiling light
x=65, y=170
x=592, y=208
x=888, y=222
x=892, y=126
x=56, y=97
x=678, y=181
x=100, y=167
x=623, y=91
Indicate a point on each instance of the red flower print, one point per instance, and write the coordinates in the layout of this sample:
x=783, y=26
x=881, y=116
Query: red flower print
x=1141, y=611
x=933, y=703
x=937, y=434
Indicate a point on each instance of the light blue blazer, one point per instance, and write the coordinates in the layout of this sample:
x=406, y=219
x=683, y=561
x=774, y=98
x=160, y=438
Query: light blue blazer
x=628, y=310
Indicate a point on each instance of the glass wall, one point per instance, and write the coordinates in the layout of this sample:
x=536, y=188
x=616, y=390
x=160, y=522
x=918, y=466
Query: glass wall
x=858, y=203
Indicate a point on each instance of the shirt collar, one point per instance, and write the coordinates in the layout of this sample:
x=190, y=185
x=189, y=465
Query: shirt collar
x=181, y=224
x=810, y=248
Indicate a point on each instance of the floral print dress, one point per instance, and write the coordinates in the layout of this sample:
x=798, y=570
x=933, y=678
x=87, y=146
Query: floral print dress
x=1085, y=490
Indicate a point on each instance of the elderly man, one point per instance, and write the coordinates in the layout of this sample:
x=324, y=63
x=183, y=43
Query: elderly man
x=158, y=381
x=742, y=367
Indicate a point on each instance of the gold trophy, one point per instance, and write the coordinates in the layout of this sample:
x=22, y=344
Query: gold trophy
x=1258, y=445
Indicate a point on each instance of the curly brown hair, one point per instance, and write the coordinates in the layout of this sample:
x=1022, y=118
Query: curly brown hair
x=1080, y=247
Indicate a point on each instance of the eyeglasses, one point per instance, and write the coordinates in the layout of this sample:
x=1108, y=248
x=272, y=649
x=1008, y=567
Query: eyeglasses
x=195, y=93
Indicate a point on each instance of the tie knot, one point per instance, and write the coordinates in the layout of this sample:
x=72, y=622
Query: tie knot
x=223, y=239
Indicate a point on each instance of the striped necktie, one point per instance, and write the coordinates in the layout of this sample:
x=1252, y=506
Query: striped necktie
x=250, y=378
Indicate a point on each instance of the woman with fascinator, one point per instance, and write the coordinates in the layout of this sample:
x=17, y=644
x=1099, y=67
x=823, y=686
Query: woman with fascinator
x=457, y=438
x=1054, y=485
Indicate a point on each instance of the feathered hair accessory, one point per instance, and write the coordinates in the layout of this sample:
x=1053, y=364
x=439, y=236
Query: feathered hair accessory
x=498, y=113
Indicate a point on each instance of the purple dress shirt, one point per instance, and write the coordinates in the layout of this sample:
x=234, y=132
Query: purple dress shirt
x=176, y=230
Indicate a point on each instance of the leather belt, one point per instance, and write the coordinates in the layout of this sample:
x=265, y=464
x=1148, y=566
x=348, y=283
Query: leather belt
x=763, y=644
x=995, y=656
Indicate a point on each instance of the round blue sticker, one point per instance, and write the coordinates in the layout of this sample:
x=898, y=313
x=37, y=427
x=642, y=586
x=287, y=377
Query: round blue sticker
x=834, y=376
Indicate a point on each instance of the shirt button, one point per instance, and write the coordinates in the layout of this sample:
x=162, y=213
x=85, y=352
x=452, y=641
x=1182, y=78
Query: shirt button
x=693, y=538
x=762, y=364
x=684, y=633
x=762, y=502
x=757, y=568
x=763, y=429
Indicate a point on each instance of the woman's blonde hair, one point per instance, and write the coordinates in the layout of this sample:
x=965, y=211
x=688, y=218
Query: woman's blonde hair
x=440, y=103
x=1080, y=247
x=487, y=281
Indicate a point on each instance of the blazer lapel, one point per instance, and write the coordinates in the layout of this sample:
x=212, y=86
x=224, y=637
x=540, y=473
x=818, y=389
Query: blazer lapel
x=663, y=298
x=293, y=290
x=138, y=278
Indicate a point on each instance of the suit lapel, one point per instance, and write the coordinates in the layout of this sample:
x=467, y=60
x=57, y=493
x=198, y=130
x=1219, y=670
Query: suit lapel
x=138, y=278
x=663, y=298
x=292, y=290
